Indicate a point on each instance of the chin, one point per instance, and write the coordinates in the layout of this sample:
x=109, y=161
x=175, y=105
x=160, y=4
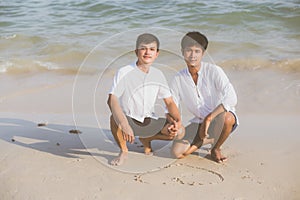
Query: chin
x=147, y=61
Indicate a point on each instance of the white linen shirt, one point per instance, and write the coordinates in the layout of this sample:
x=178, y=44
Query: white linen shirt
x=212, y=89
x=138, y=91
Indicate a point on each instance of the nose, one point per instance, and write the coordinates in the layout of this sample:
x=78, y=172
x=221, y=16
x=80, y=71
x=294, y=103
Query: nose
x=147, y=51
x=193, y=53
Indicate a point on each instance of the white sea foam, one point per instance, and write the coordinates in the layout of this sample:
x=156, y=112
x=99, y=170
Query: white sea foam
x=4, y=66
x=7, y=37
x=47, y=65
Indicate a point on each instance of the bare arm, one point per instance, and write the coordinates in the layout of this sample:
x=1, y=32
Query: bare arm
x=207, y=120
x=120, y=118
x=173, y=116
x=172, y=109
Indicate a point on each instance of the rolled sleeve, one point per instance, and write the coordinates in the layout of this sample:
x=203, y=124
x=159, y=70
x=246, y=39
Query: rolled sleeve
x=229, y=100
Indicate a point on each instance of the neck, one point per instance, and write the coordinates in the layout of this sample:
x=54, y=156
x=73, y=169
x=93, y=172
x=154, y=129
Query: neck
x=144, y=67
x=194, y=69
x=194, y=72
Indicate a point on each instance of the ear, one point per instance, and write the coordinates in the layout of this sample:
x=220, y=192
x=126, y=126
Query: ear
x=182, y=52
x=136, y=52
x=157, y=53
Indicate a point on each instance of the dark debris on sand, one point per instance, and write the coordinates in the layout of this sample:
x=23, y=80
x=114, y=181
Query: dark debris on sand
x=42, y=124
x=75, y=131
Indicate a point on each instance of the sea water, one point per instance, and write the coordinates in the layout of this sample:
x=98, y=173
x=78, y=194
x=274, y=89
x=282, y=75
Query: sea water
x=256, y=42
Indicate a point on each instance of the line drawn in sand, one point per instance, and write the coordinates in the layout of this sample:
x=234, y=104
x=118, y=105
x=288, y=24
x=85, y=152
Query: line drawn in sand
x=182, y=173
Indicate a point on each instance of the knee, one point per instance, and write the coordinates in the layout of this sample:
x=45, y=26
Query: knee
x=229, y=119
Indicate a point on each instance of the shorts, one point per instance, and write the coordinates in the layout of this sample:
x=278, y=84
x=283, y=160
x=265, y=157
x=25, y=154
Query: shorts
x=147, y=128
x=216, y=126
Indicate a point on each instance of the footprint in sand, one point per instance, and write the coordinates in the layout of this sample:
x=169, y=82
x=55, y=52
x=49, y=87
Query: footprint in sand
x=247, y=175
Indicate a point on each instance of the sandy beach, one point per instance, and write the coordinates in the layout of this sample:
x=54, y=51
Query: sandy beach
x=55, y=139
x=41, y=159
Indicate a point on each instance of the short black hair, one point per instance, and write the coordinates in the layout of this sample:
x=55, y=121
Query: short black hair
x=147, y=38
x=194, y=38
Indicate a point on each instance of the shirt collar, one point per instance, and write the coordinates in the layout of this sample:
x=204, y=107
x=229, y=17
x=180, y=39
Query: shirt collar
x=199, y=72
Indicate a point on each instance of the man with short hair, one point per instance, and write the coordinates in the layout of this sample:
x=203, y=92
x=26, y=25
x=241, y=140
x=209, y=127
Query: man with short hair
x=132, y=99
x=208, y=94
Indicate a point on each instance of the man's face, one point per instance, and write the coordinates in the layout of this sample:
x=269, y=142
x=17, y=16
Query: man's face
x=193, y=55
x=147, y=53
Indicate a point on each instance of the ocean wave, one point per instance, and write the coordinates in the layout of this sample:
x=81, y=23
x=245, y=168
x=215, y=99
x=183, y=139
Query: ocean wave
x=21, y=66
x=285, y=65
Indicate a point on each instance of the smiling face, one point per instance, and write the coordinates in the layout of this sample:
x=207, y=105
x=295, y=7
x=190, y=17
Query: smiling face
x=193, y=55
x=147, y=53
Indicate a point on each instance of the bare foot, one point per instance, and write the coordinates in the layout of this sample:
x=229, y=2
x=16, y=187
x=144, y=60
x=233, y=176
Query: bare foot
x=123, y=155
x=217, y=156
x=147, y=146
x=179, y=147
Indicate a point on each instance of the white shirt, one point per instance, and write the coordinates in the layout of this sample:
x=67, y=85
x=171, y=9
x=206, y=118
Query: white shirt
x=212, y=89
x=138, y=91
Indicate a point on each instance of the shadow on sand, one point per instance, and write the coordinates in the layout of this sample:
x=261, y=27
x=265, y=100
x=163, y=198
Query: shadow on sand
x=99, y=143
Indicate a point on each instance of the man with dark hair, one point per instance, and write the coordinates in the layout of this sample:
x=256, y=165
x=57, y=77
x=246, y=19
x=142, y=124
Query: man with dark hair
x=208, y=94
x=132, y=99
x=194, y=39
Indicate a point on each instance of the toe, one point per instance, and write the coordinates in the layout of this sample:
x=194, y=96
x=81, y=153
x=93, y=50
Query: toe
x=223, y=159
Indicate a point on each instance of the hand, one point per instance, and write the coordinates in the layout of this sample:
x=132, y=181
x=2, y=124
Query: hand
x=177, y=130
x=127, y=133
x=172, y=130
x=174, y=127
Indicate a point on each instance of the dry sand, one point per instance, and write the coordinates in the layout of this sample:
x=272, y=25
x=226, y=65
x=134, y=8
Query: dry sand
x=48, y=162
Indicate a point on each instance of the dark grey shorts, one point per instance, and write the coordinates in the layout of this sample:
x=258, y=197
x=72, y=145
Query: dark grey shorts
x=215, y=128
x=148, y=128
